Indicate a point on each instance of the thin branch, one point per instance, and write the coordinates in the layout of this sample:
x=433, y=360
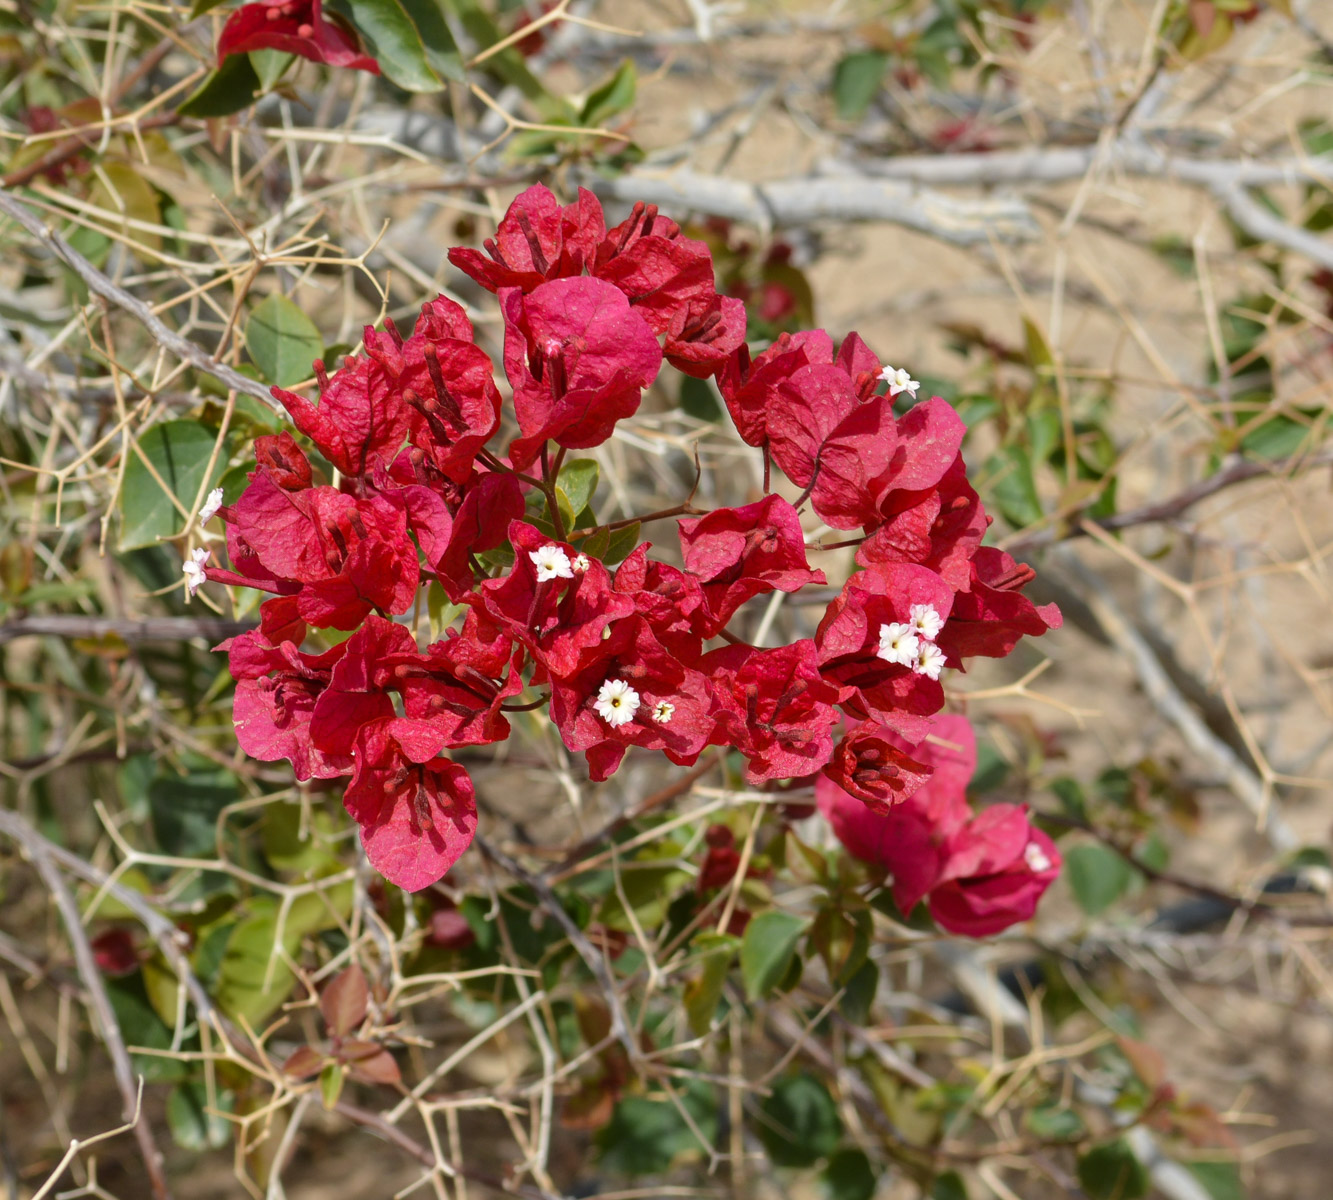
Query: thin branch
x=143, y=629
x=102, y=286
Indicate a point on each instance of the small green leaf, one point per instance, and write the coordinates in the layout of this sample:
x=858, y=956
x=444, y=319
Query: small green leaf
x=179, y=452
x=269, y=66
x=856, y=82
x=698, y=398
x=1052, y=1123
x=848, y=1176
x=404, y=33
x=331, y=1080
x=646, y=1134
x=859, y=994
x=767, y=949
x=1098, y=875
x=717, y=951
x=1013, y=487
x=1111, y=1172
x=282, y=340
x=226, y=90
x=799, y=1123
x=194, y=1127
x=202, y=6
x=185, y=809
x=611, y=97
x=1221, y=1180
x=621, y=545
x=949, y=1186
x=578, y=481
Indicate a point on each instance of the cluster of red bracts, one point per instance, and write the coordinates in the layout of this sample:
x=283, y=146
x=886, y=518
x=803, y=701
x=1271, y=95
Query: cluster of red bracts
x=624, y=656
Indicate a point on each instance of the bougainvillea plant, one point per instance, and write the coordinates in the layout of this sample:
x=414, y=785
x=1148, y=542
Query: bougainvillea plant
x=438, y=478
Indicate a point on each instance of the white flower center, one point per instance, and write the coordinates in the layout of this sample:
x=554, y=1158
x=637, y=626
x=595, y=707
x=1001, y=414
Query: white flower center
x=551, y=563
x=616, y=702
x=580, y=563
x=926, y=621
x=193, y=570
x=898, y=644
x=663, y=711
x=1036, y=858
x=899, y=381
x=211, y=506
x=929, y=660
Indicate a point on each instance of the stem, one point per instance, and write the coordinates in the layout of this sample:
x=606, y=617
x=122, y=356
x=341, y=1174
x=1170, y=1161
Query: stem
x=680, y=510
x=548, y=489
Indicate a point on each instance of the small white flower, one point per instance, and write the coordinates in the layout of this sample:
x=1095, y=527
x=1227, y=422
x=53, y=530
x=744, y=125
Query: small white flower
x=899, y=381
x=926, y=621
x=580, y=563
x=617, y=702
x=193, y=569
x=211, y=506
x=929, y=660
x=551, y=563
x=663, y=711
x=898, y=644
x=1036, y=858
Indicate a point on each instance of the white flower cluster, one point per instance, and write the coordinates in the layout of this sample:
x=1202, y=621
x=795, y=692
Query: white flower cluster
x=911, y=643
x=193, y=569
x=899, y=381
x=551, y=563
x=617, y=703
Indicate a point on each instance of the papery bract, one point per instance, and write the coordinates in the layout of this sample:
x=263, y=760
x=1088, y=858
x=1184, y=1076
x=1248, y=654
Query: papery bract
x=296, y=27
x=417, y=811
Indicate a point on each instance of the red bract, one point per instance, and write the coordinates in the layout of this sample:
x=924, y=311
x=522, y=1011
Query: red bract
x=658, y=703
x=537, y=240
x=993, y=614
x=553, y=604
x=417, y=812
x=737, y=553
x=671, y=601
x=703, y=335
x=297, y=27
x=750, y=387
x=277, y=688
x=868, y=764
x=773, y=707
x=849, y=638
x=980, y=873
x=578, y=358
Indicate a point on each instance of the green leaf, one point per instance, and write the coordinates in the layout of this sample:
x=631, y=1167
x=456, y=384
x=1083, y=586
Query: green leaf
x=766, y=950
x=798, y=1122
x=949, y=1186
x=142, y=1027
x=185, y=809
x=411, y=41
x=717, y=951
x=179, y=452
x=202, y=6
x=1052, y=1123
x=331, y=1080
x=621, y=544
x=611, y=97
x=645, y=1135
x=859, y=994
x=856, y=82
x=509, y=65
x=1221, y=1180
x=848, y=1176
x=648, y=889
x=698, y=398
x=1098, y=875
x=282, y=340
x=1013, y=488
x=269, y=66
x=226, y=90
x=192, y=1126
x=578, y=481
x=1111, y=1172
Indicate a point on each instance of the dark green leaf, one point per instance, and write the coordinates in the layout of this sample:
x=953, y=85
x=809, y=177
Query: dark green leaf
x=179, y=452
x=509, y=64
x=1052, y=1123
x=698, y=398
x=1013, y=488
x=645, y=1135
x=185, y=809
x=1111, y=1172
x=191, y=1123
x=402, y=33
x=766, y=950
x=949, y=1186
x=611, y=97
x=859, y=994
x=1098, y=875
x=282, y=340
x=142, y=1027
x=702, y=994
x=621, y=545
x=856, y=82
x=1221, y=1180
x=798, y=1123
x=578, y=482
x=228, y=89
x=848, y=1176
